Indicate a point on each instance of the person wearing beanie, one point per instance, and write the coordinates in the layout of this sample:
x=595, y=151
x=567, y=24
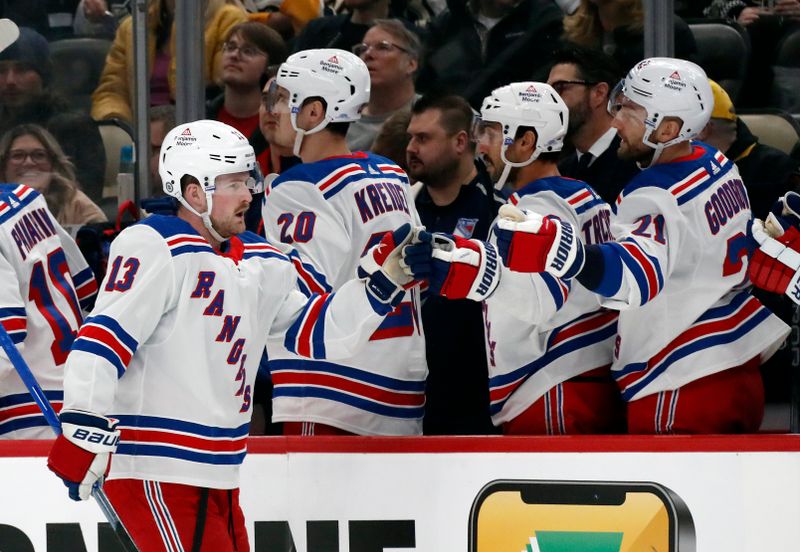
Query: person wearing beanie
x=27, y=68
x=26, y=97
x=767, y=173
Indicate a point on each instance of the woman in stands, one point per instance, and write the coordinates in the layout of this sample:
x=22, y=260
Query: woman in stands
x=30, y=155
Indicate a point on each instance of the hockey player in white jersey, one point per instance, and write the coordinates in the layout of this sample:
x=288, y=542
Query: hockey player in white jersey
x=161, y=374
x=691, y=337
x=332, y=208
x=45, y=286
x=550, y=348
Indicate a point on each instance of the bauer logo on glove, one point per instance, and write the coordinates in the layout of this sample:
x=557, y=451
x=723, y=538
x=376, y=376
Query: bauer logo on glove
x=529, y=242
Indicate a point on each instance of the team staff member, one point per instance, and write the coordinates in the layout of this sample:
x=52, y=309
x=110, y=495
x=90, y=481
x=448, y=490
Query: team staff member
x=166, y=363
x=456, y=197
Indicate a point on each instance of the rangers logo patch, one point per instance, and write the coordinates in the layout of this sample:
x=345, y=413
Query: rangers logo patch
x=465, y=227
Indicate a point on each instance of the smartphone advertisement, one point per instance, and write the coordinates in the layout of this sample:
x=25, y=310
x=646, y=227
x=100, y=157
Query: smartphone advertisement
x=579, y=516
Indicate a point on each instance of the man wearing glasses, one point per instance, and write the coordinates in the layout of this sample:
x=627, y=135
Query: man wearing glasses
x=583, y=78
x=391, y=53
x=249, y=49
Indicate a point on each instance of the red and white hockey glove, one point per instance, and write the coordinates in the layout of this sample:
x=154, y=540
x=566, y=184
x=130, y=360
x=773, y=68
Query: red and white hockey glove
x=387, y=277
x=461, y=268
x=774, y=265
x=81, y=455
x=529, y=242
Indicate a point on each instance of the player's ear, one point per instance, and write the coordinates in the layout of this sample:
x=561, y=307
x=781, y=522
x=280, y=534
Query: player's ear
x=194, y=195
x=528, y=140
x=669, y=128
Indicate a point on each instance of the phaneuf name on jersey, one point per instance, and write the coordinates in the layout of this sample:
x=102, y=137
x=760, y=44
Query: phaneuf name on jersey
x=379, y=198
x=31, y=228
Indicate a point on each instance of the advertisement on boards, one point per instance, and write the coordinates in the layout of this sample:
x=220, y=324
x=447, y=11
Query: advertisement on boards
x=476, y=501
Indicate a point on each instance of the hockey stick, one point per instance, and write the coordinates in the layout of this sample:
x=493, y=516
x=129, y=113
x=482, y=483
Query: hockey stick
x=44, y=405
x=9, y=33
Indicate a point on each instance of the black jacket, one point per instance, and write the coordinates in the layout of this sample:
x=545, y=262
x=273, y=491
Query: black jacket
x=457, y=388
x=767, y=173
x=608, y=175
x=518, y=48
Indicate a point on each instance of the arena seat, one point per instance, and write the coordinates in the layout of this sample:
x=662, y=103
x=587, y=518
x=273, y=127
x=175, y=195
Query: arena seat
x=773, y=127
x=723, y=50
x=77, y=65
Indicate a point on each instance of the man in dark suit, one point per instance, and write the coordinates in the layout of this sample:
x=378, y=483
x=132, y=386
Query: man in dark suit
x=584, y=79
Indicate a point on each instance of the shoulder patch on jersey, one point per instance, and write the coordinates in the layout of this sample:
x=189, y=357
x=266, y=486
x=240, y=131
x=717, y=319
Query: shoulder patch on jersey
x=179, y=235
x=13, y=197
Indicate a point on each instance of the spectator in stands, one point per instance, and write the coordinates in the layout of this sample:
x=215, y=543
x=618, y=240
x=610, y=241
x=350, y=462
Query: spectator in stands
x=346, y=29
x=50, y=18
x=30, y=155
x=162, y=120
x=617, y=27
x=248, y=51
x=766, y=172
x=26, y=97
x=584, y=78
x=457, y=197
x=766, y=27
x=391, y=53
x=113, y=95
x=392, y=140
x=477, y=45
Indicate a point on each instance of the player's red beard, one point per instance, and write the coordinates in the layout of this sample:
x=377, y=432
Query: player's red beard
x=233, y=224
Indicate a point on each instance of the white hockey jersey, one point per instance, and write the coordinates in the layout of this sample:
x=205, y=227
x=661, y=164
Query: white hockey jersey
x=45, y=284
x=172, y=347
x=541, y=331
x=332, y=211
x=677, y=273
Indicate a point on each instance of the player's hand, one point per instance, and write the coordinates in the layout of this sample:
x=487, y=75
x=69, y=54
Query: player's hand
x=81, y=455
x=774, y=265
x=785, y=214
x=460, y=268
x=387, y=277
x=529, y=242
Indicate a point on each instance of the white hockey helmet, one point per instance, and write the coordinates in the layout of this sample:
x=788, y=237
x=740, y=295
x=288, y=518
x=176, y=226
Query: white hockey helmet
x=527, y=104
x=667, y=87
x=338, y=77
x=205, y=150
